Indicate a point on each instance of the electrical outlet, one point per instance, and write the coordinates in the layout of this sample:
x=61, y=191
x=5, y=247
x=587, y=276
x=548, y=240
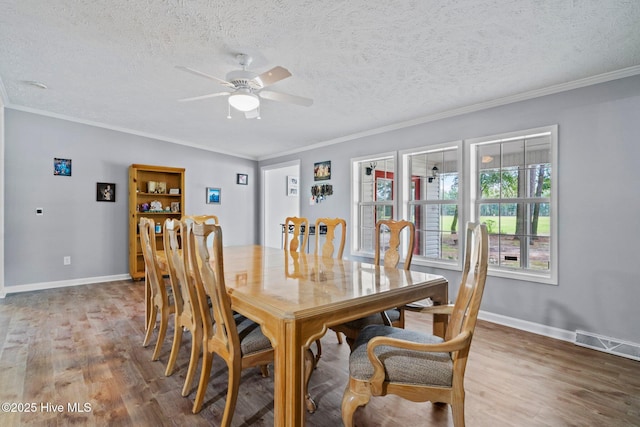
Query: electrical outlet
x=66, y=260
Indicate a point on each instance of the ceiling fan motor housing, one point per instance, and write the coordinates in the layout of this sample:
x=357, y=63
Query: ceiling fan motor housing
x=243, y=79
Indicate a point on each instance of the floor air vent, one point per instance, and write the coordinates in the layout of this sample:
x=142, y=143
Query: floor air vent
x=608, y=345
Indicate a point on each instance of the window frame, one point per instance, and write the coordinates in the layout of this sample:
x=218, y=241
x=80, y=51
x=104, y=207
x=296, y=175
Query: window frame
x=472, y=189
x=356, y=196
x=406, y=202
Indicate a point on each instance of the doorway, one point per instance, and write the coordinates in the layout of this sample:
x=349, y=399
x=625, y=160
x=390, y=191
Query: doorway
x=277, y=202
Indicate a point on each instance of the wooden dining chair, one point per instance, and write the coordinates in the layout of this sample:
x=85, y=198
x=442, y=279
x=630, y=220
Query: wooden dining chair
x=159, y=297
x=415, y=365
x=236, y=339
x=328, y=248
x=187, y=312
x=299, y=226
x=388, y=233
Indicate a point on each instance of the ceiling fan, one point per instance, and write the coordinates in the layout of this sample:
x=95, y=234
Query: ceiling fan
x=247, y=87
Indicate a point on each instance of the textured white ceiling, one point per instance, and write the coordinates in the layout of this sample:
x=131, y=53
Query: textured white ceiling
x=367, y=64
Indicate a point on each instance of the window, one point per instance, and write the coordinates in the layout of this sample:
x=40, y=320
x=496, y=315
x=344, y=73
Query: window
x=513, y=191
x=374, y=197
x=431, y=200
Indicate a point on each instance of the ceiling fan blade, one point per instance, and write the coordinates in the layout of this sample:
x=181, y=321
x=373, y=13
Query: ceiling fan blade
x=201, y=74
x=272, y=76
x=285, y=97
x=211, y=95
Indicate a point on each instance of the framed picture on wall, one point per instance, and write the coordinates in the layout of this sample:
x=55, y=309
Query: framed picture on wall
x=213, y=195
x=62, y=167
x=105, y=192
x=242, y=179
x=322, y=171
x=292, y=186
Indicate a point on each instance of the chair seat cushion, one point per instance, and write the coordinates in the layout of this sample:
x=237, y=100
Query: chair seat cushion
x=374, y=319
x=401, y=366
x=252, y=340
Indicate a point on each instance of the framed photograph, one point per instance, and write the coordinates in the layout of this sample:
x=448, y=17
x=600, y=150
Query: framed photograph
x=62, y=167
x=175, y=207
x=292, y=186
x=156, y=187
x=242, y=179
x=322, y=171
x=213, y=195
x=105, y=192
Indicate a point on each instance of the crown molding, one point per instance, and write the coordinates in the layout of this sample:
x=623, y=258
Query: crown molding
x=125, y=130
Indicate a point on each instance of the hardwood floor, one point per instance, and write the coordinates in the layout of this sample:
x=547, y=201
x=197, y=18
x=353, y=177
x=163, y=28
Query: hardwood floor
x=82, y=345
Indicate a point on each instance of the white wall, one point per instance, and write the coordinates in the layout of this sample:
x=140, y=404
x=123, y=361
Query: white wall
x=277, y=204
x=599, y=202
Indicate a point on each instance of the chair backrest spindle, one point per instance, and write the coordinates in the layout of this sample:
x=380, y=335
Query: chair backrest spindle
x=392, y=254
x=300, y=225
x=328, y=247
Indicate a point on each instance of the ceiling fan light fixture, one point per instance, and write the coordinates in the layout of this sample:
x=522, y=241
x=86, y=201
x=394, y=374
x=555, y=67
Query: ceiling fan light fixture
x=244, y=101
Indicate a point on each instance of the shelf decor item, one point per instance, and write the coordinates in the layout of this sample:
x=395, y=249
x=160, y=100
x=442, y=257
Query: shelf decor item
x=156, y=206
x=105, y=192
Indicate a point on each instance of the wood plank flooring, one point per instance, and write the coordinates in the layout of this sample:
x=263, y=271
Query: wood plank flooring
x=82, y=344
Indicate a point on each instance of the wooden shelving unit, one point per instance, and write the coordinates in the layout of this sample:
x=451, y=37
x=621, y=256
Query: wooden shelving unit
x=139, y=195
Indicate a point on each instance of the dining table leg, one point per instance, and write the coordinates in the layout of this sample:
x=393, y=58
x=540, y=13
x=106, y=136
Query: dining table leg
x=289, y=373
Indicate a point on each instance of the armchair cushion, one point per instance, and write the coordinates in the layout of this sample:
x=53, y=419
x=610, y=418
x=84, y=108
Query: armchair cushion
x=401, y=365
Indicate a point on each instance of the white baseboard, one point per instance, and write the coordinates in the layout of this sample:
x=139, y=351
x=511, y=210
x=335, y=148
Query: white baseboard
x=524, y=325
x=590, y=340
x=61, y=284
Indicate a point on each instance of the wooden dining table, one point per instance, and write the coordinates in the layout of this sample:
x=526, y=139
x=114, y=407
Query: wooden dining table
x=296, y=299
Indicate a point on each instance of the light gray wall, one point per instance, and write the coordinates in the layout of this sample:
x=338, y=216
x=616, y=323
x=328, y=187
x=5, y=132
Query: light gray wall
x=95, y=234
x=599, y=202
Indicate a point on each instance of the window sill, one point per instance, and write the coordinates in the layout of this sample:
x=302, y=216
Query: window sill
x=425, y=262
x=542, y=279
